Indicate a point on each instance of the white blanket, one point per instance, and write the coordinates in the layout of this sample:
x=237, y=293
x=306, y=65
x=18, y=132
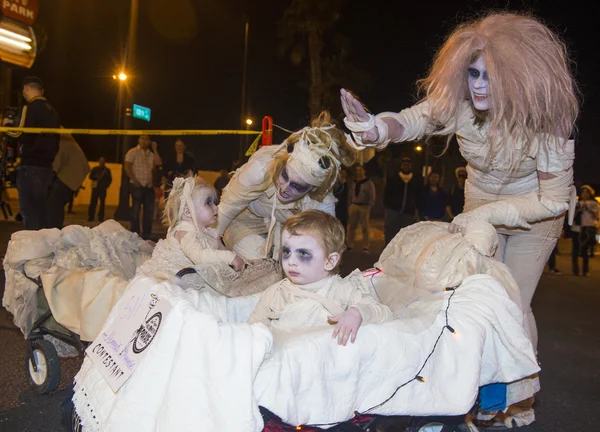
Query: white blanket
x=198, y=374
x=204, y=375
x=309, y=379
x=79, y=299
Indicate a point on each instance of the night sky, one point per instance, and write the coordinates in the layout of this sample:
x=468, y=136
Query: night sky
x=189, y=60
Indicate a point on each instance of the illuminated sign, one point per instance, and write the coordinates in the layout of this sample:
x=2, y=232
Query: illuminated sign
x=141, y=112
x=24, y=11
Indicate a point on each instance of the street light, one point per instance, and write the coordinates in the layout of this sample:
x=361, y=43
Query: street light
x=249, y=122
x=121, y=77
x=419, y=148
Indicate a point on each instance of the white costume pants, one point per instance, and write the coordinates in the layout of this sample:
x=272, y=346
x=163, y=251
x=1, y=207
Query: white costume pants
x=526, y=255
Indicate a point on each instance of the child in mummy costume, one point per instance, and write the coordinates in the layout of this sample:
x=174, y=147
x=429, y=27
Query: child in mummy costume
x=313, y=294
x=190, y=211
x=279, y=181
x=502, y=86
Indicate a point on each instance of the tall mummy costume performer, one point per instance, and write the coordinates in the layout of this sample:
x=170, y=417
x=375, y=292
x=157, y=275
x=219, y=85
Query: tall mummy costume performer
x=279, y=181
x=501, y=85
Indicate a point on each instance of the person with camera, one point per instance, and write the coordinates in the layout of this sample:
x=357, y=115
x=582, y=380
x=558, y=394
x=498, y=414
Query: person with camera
x=37, y=151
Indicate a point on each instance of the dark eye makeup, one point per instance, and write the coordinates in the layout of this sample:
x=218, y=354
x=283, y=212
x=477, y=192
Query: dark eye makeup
x=298, y=187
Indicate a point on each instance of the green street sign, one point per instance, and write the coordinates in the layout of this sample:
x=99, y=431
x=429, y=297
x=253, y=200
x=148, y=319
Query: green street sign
x=141, y=112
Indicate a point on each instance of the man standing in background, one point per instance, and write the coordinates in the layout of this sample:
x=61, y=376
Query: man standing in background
x=434, y=199
x=140, y=163
x=456, y=197
x=35, y=173
x=101, y=179
x=400, y=199
x=362, y=192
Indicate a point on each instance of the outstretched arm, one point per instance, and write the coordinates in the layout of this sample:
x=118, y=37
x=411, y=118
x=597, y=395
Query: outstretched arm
x=367, y=129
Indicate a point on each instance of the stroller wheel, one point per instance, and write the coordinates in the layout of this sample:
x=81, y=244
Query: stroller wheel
x=44, y=376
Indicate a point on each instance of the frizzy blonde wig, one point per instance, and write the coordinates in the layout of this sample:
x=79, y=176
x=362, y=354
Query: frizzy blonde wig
x=171, y=212
x=531, y=89
x=329, y=137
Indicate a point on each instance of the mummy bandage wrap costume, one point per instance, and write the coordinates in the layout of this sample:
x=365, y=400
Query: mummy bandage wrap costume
x=523, y=205
x=250, y=216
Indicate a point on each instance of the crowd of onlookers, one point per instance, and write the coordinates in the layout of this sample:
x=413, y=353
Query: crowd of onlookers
x=407, y=198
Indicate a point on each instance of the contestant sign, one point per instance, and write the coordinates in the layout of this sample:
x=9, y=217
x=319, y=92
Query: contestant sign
x=121, y=346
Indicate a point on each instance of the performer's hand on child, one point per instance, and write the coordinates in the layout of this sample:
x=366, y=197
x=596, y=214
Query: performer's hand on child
x=347, y=326
x=356, y=112
x=238, y=264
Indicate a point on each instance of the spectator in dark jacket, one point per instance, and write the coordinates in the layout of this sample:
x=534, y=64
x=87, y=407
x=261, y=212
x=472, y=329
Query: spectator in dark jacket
x=35, y=173
x=400, y=199
x=433, y=200
x=456, y=197
x=182, y=165
x=101, y=179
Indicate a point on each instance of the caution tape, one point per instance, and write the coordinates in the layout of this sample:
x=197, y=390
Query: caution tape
x=136, y=132
x=254, y=146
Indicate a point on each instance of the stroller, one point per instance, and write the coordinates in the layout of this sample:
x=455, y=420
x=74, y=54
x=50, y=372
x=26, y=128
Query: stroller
x=378, y=350
x=360, y=422
x=42, y=363
x=65, y=255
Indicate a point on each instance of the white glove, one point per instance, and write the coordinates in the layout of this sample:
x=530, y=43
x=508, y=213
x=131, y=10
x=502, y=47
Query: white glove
x=367, y=130
x=513, y=212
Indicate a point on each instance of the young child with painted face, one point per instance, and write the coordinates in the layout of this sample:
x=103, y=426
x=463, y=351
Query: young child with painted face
x=190, y=211
x=313, y=294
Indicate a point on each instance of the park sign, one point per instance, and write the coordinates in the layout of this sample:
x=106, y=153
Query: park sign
x=24, y=11
x=141, y=112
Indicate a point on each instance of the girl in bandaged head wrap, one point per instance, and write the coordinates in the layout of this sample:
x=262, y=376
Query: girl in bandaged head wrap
x=502, y=86
x=190, y=212
x=279, y=181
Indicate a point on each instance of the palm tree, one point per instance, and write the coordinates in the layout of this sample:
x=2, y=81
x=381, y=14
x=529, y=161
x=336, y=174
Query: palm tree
x=303, y=30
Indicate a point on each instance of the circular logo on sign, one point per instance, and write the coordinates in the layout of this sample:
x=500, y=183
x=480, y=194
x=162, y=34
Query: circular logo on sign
x=146, y=333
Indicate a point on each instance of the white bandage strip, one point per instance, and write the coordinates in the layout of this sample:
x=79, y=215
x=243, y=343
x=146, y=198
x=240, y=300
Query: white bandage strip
x=358, y=127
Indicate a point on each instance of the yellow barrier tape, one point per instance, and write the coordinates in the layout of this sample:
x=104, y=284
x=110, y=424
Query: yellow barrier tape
x=173, y=132
x=254, y=146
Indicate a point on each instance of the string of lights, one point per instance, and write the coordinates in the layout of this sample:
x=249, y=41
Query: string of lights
x=416, y=377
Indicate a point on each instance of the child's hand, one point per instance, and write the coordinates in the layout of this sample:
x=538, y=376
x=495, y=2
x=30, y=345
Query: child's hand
x=348, y=323
x=238, y=264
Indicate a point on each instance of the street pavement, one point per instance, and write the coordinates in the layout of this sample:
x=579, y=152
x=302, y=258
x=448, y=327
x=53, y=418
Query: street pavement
x=566, y=309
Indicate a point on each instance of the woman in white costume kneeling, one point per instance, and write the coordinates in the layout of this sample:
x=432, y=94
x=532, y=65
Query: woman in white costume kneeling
x=279, y=181
x=502, y=86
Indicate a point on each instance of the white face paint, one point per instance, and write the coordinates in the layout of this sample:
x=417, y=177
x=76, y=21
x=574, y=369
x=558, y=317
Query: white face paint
x=290, y=186
x=205, y=206
x=479, y=84
x=303, y=259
